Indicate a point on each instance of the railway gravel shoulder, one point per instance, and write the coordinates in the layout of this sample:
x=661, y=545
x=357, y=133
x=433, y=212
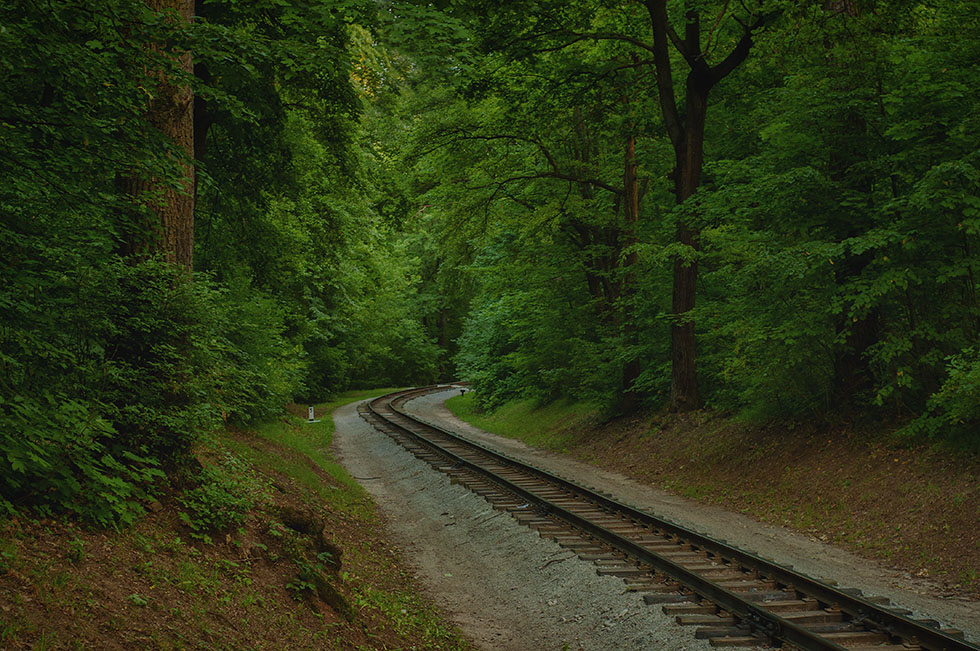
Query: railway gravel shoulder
x=505, y=586
x=786, y=547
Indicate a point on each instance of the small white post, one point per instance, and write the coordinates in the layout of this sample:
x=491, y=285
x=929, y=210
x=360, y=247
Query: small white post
x=311, y=420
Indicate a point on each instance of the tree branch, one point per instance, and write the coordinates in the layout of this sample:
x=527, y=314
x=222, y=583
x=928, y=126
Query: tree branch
x=714, y=28
x=679, y=43
x=556, y=171
x=457, y=136
x=692, y=40
x=562, y=176
x=576, y=37
x=741, y=50
x=665, y=81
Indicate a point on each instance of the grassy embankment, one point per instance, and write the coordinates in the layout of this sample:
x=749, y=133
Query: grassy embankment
x=277, y=547
x=914, y=507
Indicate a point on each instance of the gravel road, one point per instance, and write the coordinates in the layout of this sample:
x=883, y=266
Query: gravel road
x=509, y=589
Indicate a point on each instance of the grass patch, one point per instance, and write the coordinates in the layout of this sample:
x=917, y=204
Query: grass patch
x=552, y=427
x=311, y=443
x=324, y=430
x=409, y=616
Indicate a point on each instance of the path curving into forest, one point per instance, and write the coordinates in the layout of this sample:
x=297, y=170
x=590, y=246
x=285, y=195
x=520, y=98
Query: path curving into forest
x=786, y=547
x=507, y=588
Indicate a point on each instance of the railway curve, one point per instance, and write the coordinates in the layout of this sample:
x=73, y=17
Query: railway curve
x=733, y=597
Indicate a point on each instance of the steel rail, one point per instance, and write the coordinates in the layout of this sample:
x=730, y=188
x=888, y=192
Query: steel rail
x=867, y=613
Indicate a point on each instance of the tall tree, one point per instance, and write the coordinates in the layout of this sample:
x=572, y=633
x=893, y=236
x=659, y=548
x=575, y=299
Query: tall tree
x=686, y=132
x=555, y=27
x=170, y=109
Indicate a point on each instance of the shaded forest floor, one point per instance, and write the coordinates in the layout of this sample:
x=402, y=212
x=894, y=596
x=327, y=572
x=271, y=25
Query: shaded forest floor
x=271, y=583
x=916, y=508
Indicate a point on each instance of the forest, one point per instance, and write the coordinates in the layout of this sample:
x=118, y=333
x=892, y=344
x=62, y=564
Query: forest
x=763, y=208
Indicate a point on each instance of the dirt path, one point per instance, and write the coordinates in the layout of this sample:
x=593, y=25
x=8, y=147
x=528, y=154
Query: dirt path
x=488, y=557
x=815, y=558
x=506, y=587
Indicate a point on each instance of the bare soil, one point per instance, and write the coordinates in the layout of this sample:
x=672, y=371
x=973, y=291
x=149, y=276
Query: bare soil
x=792, y=496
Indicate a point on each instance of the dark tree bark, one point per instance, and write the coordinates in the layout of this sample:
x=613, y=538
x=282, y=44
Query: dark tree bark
x=202, y=120
x=686, y=132
x=631, y=217
x=171, y=111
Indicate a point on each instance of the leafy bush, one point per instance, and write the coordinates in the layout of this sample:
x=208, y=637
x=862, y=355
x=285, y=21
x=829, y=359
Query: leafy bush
x=254, y=369
x=374, y=336
x=953, y=412
x=488, y=355
x=112, y=373
x=155, y=387
x=533, y=331
x=98, y=389
x=223, y=497
x=959, y=397
x=68, y=462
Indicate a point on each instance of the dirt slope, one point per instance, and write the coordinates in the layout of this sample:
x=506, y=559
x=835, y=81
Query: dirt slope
x=156, y=586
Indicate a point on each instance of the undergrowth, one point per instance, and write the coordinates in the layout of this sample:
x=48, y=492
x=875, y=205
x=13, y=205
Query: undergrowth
x=312, y=441
x=223, y=569
x=226, y=492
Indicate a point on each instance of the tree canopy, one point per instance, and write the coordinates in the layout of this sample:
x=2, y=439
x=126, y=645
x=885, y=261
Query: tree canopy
x=764, y=207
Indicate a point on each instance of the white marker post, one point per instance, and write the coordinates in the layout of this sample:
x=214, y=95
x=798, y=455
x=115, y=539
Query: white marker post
x=312, y=420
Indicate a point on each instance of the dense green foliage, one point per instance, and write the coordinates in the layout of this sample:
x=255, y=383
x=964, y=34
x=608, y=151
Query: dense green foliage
x=222, y=498
x=390, y=193
x=94, y=352
x=836, y=212
x=111, y=365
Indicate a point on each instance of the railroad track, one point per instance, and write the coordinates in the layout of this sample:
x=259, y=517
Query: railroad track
x=733, y=597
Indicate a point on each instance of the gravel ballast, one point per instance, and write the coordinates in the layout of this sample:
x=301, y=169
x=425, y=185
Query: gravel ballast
x=505, y=586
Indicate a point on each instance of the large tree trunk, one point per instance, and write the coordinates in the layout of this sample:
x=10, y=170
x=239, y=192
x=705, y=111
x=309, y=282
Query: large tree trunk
x=684, y=395
x=686, y=132
x=171, y=110
x=631, y=217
